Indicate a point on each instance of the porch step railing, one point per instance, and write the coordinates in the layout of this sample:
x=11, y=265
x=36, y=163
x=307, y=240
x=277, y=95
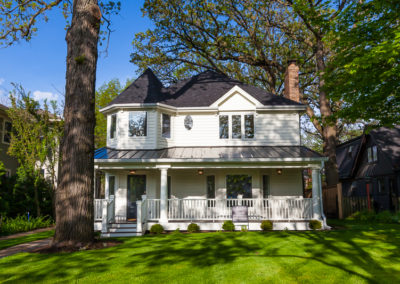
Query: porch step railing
x=98, y=211
x=221, y=209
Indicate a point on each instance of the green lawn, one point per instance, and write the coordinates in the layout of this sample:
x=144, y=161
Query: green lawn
x=26, y=239
x=355, y=254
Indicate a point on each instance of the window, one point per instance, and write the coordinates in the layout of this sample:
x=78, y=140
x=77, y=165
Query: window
x=113, y=127
x=169, y=186
x=223, y=127
x=350, y=150
x=7, y=132
x=266, y=191
x=137, y=123
x=236, y=126
x=210, y=187
x=238, y=184
x=372, y=154
x=249, y=126
x=8, y=173
x=211, y=191
x=166, y=125
x=188, y=122
x=381, y=186
x=111, y=185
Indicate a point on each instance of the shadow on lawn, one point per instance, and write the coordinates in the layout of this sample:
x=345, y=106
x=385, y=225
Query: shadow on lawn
x=346, y=250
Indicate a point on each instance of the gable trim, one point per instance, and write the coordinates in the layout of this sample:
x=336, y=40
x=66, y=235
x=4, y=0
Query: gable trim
x=231, y=92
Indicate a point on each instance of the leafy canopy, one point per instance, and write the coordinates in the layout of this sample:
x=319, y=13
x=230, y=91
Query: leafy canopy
x=365, y=72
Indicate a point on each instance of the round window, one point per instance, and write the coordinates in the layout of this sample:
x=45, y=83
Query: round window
x=188, y=122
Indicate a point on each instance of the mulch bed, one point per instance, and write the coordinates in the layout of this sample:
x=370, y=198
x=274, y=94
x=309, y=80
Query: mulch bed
x=97, y=244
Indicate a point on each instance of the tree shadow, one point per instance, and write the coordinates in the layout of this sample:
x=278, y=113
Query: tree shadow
x=369, y=255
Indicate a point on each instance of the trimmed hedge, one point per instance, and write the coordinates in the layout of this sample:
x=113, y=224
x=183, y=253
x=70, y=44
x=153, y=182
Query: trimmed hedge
x=228, y=226
x=156, y=229
x=193, y=228
x=266, y=225
x=315, y=225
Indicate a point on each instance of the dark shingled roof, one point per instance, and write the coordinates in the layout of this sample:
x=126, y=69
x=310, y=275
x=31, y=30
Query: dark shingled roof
x=201, y=90
x=388, y=142
x=346, y=160
x=245, y=153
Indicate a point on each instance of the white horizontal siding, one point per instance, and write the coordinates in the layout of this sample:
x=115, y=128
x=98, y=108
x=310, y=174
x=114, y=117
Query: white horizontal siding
x=123, y=141
x=270, y=129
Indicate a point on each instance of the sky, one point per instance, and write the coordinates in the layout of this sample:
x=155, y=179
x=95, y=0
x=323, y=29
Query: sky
x=39, y=65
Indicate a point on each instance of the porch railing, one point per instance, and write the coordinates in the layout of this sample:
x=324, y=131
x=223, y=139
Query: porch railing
x=98, y=211
x=221, y=209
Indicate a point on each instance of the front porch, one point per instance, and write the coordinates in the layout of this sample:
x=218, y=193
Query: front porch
x=175, y=198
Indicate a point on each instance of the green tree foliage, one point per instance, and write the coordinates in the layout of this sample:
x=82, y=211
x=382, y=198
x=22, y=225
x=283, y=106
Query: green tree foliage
x=104, y=95
x=250, y=41
x=35, y=138
x=364, y=74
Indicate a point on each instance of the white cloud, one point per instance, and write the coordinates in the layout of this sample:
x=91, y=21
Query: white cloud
x=39, y=95
x=1, y=81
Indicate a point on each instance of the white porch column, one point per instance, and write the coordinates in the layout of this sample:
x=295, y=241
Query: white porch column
x=104, y=225
x=106, y=186
x=316, y=197
x=164, y=194
x=139, y=216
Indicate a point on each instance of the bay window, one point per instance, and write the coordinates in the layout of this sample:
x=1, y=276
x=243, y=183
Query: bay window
x=137, y=123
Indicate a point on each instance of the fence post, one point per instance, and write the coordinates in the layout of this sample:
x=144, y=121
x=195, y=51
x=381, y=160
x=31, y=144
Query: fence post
x=340, y=200
x=139, y=216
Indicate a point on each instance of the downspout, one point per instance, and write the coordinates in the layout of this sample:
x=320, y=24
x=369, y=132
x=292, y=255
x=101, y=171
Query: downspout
x=325, y=225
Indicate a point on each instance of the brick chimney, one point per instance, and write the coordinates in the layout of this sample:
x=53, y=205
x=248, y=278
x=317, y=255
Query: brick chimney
x=292, y=91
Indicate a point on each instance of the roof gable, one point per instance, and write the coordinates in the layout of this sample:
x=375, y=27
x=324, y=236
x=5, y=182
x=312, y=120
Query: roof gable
x=201, y=90
x=236, y=99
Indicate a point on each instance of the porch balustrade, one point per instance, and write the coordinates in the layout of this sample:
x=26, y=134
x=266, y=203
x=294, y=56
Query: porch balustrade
x=221, y=209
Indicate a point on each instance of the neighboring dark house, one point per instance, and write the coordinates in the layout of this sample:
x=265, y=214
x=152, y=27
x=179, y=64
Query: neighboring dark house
x=10, y=163
x=372, y=159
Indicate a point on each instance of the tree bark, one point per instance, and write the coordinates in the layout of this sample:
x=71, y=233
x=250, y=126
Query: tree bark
x=74, y=196
x=329, y=129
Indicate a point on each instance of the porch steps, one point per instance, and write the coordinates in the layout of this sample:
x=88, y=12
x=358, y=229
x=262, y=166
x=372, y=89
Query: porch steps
x=121, y=230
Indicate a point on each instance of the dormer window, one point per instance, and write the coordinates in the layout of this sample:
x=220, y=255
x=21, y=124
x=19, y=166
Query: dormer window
x=166, y=125
x=249, y=126
x=237, y=123
x=372, y=154
x=113, y=126
x=236, y=127
x=223, y=127
x=137, y=123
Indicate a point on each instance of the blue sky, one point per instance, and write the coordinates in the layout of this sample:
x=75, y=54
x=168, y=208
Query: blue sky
x=39, y=65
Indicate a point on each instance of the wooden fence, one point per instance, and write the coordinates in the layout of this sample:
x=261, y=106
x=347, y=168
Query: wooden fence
x=353, y=204
x=337, y=206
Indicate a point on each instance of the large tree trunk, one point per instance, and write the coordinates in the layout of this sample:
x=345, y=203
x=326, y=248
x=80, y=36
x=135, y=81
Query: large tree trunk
x=74, y=197
x=329, y=127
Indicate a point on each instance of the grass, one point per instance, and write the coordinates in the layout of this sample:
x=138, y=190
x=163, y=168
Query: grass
x=25, y=239
x=357, y=253
x=9, y=226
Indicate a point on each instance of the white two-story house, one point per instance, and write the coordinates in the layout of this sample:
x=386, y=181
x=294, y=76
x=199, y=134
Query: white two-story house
x=193, y=151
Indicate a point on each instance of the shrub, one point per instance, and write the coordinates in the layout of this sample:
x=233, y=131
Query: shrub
x=19, y=224
x=315, y=225
x=228, y=226
x=193, y=228
x=244, y=229
x=385, y=217
x=266, y=225
x=156, y=229
x=363, y=215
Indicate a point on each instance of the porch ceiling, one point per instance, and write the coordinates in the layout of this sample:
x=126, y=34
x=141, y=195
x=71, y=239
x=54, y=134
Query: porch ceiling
x=209, y=154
